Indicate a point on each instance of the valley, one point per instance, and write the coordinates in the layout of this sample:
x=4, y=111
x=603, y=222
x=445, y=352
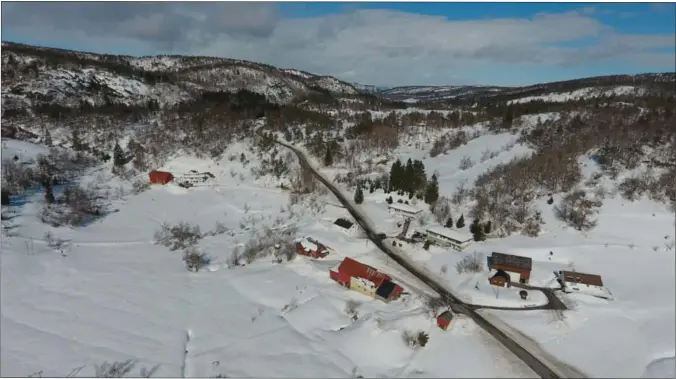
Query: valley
x=576, y=176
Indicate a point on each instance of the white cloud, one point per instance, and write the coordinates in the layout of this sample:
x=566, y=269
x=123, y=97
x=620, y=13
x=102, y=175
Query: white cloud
x=370, y=46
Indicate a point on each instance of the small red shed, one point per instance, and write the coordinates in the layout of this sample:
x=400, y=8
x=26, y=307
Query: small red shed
x=160, y=177
x=311, y=248
x=444, y=320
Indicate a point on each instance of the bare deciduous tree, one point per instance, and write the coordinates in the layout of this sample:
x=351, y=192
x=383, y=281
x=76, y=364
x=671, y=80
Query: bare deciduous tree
x=577, y=210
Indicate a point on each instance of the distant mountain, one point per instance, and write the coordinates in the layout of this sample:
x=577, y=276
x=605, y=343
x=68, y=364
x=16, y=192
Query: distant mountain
x=34, y=75
x=570, y=89
x=427, y=93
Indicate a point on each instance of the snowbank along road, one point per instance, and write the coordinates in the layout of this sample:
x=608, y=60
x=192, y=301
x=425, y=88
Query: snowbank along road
x=531, y=359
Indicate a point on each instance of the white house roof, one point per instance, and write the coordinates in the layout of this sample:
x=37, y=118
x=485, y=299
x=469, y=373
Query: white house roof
x=453, y=234
x=404, y=207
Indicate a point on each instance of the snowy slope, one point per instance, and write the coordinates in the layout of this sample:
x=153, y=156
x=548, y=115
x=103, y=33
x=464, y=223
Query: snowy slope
x=51, y=76
x=110, y=294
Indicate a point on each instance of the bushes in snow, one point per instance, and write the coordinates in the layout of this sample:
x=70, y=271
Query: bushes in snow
x=75, y=207
x=470, y=263
x=416, y=339
x=194, y=260
x=577, y=210
x=352, y=308
x=465, y=163
x=279, y=242
x=123, y=370
x=442, y=210
x=178, y=237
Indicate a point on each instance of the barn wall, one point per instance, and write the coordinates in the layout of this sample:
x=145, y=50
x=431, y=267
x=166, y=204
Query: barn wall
x=359, y=286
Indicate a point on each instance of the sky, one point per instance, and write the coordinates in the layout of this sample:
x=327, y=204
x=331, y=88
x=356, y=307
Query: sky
x=382, y=43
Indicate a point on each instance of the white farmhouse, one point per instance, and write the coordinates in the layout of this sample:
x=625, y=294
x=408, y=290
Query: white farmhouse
x=449, y=237
x=348, y=227
x=405, y=210
x=588, y=284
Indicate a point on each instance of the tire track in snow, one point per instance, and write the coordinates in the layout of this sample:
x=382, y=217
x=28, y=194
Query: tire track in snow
x=186, y=349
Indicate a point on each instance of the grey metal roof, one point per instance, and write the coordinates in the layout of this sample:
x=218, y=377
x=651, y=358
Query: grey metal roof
x=514, y=261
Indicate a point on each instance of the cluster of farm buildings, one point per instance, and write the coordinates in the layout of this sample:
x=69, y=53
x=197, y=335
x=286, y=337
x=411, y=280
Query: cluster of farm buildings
x=508, y=268
x=189, y=179
x=367, y=280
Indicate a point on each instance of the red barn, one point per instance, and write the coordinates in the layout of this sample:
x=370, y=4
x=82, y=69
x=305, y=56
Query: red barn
x=349, y=268
x=444, y=320
x=311, y=248
x=160, y=177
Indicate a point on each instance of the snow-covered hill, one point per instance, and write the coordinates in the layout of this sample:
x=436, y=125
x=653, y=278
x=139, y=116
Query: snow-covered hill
x=34, y=75
x=578, y=88
x=427, y=93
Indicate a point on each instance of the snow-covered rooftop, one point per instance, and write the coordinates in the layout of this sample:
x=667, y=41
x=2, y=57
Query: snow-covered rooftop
x=307, y=245
x=450, y=233
x=405, y=208
x=366, y=282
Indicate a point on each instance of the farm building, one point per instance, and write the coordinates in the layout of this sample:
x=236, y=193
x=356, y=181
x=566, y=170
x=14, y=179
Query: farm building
x=444, y=319
x=449, y=237
x=500, y=279
x=405, y=210
x=160, y=177
x=518, y=267
x=193, y=178
x=311, y=248
x=578, y=282
x=348, y=227
x=365, y=279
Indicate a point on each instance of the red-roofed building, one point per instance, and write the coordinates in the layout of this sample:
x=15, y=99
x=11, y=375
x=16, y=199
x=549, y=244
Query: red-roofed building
x=311, y=248
x=365, y=279
x=160, y=177
x=444, y=320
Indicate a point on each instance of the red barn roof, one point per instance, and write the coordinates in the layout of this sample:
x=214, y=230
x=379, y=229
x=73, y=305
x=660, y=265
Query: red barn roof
x=357, y=269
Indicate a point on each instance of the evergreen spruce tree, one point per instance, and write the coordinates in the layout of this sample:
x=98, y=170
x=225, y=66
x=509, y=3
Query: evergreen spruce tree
x=419, y=175
x=409, y=177
x=118, y=156
x=432, y=191
x=488, y=227
x=49, y=193
x=396, y=176
x=461, y=222
x=474, y=226
x=479, y=234
x=328, y=157
x=508, y=118
x=75, y=140
x=48, y=138
x=449, y=223
x=359, y=196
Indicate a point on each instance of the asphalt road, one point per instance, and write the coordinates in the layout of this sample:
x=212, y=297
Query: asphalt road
x=457, y=305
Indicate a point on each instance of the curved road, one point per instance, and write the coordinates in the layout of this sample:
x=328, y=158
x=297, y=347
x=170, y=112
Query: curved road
x=457, y=305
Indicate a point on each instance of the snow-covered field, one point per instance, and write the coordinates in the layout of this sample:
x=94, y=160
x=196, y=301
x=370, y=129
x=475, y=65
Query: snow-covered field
x=110, y=294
